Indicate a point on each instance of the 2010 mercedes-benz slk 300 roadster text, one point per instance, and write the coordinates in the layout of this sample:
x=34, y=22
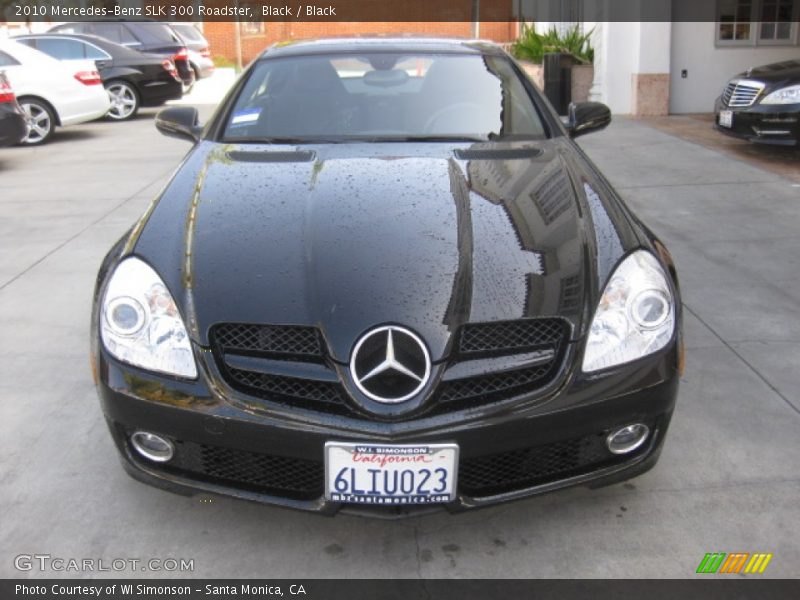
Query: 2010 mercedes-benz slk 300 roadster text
x=386, y=279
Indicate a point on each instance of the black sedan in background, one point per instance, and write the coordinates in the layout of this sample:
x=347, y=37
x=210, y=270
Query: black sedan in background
x=385, y=278
x=762, y=105
x=13, y=127
x=145, y=36
x=133, y=79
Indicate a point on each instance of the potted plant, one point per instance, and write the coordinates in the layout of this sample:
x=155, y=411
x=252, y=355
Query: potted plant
x=529, y=49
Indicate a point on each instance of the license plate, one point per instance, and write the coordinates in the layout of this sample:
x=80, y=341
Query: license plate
x=726, y=118
x=391, y=473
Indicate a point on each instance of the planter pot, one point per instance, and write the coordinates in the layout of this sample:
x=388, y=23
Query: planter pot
x=582, y=78
x=534, y=72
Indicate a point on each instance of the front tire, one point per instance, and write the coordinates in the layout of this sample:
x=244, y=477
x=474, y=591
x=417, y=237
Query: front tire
x=124, y=100
x=40, y=120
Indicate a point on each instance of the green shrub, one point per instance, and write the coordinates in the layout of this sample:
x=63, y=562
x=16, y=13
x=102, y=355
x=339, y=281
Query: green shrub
x=223, y=62
x=533, y=46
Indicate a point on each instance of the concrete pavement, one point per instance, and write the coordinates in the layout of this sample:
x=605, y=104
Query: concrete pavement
x=698, y=128
x=728, y=479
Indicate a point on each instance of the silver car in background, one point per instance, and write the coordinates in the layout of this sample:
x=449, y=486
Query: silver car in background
x=199, y=50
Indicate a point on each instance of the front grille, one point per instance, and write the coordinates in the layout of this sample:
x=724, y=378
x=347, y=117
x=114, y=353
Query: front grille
x=506, y=337
x=294, y=478
x=296, y=346
x=492, y=387
x=267, y=339
x=325, y=396
x=292, y=344
x=519, y=469
x=741, y=94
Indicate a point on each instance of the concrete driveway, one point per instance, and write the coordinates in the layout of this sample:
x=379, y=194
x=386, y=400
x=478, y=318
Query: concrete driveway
x=728, y=480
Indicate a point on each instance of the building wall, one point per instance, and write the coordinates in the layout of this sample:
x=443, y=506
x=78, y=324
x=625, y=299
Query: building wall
x=615, y=60
x=709, y=67
x=221, y=35
x=632, y=66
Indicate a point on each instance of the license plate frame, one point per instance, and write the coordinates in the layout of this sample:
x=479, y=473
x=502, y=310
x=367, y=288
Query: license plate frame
x=726, y=118
x=363, y=487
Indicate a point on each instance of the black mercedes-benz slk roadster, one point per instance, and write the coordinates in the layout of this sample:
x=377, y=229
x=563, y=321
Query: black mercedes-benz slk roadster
x=386, y=279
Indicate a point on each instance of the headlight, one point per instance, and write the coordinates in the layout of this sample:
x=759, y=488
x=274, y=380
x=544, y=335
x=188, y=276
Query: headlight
x=635, y=316
x=140, y=323
x=787, y=95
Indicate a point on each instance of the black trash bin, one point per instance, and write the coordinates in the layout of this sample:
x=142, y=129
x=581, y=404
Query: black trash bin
x=558, y=80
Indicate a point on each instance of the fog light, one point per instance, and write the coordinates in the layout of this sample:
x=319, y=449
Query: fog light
x=152, y=446
x=627, y=439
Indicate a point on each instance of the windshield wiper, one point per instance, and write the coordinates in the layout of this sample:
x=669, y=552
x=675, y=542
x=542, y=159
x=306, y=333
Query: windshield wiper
x=282, y=140
x=430, y=138
x=356, y=139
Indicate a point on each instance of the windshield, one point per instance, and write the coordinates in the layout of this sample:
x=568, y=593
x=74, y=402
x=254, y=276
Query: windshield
x=188, y=32
x=157, y=33
x=383, y=96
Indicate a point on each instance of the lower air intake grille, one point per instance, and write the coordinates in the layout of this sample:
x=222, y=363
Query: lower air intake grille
x=288, y=477
x=519, y=469
x=302, y=479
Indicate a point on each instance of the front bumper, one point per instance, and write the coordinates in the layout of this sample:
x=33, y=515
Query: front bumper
x=764, y=124
x=506, y=453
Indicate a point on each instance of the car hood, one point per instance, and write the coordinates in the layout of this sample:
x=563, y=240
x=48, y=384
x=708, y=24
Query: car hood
x=349, y=236
x=775, y=73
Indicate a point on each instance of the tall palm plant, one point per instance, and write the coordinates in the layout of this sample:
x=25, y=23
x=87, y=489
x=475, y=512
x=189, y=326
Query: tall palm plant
x=533, y=46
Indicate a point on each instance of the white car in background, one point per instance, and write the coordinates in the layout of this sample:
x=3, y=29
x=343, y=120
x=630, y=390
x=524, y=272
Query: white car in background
x=50, y=92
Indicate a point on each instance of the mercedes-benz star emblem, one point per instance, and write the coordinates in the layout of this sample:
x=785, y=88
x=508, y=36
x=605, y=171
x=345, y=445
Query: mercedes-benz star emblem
x=390, y=364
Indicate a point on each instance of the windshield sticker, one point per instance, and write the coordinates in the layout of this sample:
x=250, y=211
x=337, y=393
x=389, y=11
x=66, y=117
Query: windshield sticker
x=243, y=117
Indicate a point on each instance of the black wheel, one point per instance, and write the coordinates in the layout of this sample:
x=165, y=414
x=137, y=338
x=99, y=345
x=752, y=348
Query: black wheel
x=40, y=120
x=124, y=100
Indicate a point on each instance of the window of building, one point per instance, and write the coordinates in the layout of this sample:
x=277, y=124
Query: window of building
x=776, y=21
x=757, y=22
x=252, y=27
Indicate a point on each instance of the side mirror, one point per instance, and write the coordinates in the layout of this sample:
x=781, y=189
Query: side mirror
x=180, y=122
x=585, y=117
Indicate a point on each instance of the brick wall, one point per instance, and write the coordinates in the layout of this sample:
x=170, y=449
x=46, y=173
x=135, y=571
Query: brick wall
x=221, y=34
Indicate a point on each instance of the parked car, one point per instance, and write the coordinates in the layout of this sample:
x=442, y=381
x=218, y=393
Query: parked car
x=199, y=51
x=132, y=79
x=13, y=126
x=51, y=93
x=385, y=277
x=152, y=37
x=762, y=105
